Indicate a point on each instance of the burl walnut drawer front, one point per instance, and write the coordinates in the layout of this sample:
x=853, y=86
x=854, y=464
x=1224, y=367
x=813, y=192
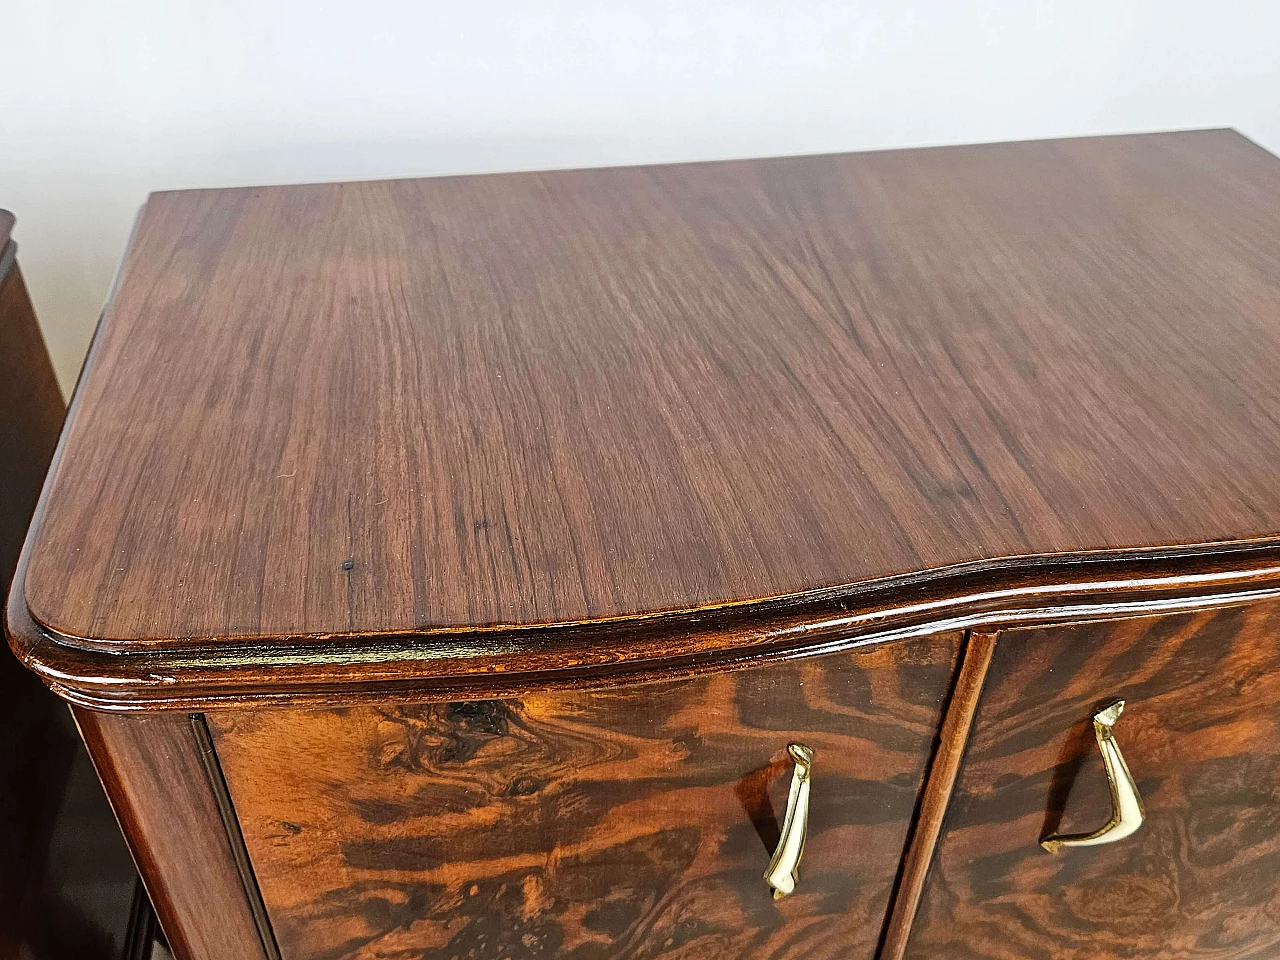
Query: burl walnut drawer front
x=636, y=822
x=1200, y=732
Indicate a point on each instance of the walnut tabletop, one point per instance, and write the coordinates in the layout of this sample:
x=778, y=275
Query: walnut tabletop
x=442, y=410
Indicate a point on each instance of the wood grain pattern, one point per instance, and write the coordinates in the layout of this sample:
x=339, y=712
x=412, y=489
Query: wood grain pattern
x=1201, y=734
x=155, y=776
x=635, y=823
x=574, y=657
x=432, y=405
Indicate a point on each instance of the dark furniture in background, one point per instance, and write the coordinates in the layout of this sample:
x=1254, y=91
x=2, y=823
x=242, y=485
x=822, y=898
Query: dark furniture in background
x=68, y=888
x=523, y=566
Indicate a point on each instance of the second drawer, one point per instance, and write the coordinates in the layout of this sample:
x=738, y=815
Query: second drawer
x=1200, y=732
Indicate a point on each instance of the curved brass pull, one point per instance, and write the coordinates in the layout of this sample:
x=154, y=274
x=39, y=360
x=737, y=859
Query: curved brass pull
x=1127, y=812
x=784, y=868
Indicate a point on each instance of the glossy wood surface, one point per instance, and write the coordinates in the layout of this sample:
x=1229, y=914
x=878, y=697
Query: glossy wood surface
x=632, y=823
x=541, y=660
x=1201, y=734
x=432, y=405
x=154, y=771
x=944, y=768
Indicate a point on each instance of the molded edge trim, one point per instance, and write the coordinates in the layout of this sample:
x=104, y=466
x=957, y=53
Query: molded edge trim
x=483, y=663
x=531, y=660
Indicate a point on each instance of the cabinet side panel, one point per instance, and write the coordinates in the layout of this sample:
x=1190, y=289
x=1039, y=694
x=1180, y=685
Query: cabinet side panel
x=152, y=768
x=587, y=825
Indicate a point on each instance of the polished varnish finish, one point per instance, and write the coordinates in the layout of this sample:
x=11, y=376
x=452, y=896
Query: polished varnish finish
x=592, y=656
x=591, y=825
x=945, y=767
x=1201, y=734
x=156, y=775
x=505, y=530
x=434, y=405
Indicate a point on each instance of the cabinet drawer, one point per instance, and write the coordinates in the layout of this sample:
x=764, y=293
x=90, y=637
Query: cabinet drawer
x=637, y=821
x=1201, y=734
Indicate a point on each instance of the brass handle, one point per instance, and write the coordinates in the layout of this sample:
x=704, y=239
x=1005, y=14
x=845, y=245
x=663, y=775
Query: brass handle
x=1127, y=812
x=784, y=868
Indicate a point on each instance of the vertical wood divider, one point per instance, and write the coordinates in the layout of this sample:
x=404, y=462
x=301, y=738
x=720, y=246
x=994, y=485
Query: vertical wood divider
x=157, y=779
x=222, y=795
x=938, y=787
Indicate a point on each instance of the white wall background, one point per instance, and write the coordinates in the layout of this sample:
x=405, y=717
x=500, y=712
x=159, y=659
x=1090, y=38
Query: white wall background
x=101, y=103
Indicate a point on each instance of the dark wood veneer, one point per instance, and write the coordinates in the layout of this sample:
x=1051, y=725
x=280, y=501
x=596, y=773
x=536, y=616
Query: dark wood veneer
x=970, y=385
x=634, y=823
x=413, y=668
x=1201, y=733
x=507, y=528
x=430, y=405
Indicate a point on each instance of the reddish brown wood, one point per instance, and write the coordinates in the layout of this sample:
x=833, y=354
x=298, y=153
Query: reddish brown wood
x=154, y=772
x=591, y=825
x=1201, y=733
x=486, y=453
x=432, y=405
x=938, y=789
x=409, y=669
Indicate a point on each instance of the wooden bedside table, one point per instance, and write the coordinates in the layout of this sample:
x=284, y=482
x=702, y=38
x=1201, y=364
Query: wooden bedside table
x=523, y=565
